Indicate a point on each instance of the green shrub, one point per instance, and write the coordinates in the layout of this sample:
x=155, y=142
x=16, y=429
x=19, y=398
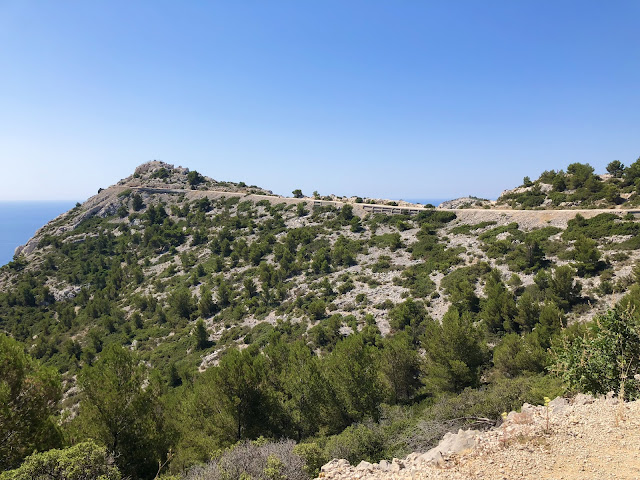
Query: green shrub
x=606, y=358
x=84, y=461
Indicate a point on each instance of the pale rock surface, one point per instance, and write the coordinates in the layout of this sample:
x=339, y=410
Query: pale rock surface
x=585, y=438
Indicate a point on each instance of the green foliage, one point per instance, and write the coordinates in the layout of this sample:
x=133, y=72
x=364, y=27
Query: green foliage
x=84, y=461
x=454, y=353
x=313, y=456
x=606, y=358
x=517, y=355
x=498, y=309
x=121, y=412
x=194, y=178
x=409, y=316
x=29, y=396
x=400, y=367
x=352, y=372
x=602, y=225
x=586, y=256
x=356, y=443
x=136, y=202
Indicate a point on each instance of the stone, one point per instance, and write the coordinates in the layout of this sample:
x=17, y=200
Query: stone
x=583, y=399
x=558, y=405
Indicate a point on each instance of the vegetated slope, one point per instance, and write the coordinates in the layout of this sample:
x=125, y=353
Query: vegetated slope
x=362, y=335
x=578, y=187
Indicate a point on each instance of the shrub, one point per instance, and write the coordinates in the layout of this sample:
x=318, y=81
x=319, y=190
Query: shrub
x=258, y=460
x=84, y=461
x=605, y=359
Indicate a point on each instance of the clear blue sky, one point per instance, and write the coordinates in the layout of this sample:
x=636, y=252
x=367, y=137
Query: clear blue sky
x=401, y=99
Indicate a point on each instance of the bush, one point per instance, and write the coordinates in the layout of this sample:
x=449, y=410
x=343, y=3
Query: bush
x=356, y=443
x=605, y=359
x=84, y=461
x=259, y=460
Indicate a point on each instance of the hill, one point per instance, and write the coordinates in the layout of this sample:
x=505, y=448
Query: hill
x=578, y=187
x=362, y=329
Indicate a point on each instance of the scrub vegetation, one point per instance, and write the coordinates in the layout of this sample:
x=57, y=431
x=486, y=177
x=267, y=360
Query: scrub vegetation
x=193, y=335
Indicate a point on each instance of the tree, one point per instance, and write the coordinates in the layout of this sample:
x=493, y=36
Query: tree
x=400, y=367
x=586, y=256
x=528, y=312
x=579, y=174
x=518, y=354
x=409, y=316
x=119, y=407
x=194, y=178
x=202, y=336
x=563, y=288
x=498, y=308
x=136, y=202
x=306, y=402
x=206, y=305
x=181, y=302
x=616, y=168
x=454, y=353
x=352, y=372
x=239, y=402
x=297, y=193
x=526, y=181
x=29, y=396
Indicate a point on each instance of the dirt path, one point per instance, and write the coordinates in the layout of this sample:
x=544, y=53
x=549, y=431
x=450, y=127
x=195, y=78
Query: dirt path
x=599, y=440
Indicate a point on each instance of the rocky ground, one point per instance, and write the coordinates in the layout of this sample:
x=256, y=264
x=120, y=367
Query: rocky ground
x=580, y=439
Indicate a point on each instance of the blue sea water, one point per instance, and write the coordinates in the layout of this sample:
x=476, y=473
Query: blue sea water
x=20, y=220
x=424, y=201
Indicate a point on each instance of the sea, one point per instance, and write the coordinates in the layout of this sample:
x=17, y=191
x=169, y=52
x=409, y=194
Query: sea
x=20, y=220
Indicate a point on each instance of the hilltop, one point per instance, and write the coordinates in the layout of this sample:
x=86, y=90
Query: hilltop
x=578, y=187
x=362, y=328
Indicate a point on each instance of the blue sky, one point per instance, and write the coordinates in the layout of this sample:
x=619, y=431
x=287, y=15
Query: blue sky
x=400, y=99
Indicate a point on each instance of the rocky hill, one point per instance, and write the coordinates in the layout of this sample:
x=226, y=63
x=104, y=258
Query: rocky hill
x=360, y=328
x=578, y=187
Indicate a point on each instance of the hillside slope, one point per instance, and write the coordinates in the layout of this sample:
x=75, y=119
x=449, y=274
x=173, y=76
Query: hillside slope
x=359, y=329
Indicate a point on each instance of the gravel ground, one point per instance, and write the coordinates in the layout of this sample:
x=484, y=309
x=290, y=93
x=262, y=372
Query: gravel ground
x=584, y=439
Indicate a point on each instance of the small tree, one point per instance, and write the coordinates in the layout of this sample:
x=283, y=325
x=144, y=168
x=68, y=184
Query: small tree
x=586, y=256
x=454, y=353
x=194, y=178
x=29, y=395
x=616, y=168
x=297, y=193
x=121, y=410
x=202, y=336
x=136, y=202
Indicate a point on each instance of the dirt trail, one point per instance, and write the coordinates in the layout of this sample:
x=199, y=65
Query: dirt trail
x=599, y=440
